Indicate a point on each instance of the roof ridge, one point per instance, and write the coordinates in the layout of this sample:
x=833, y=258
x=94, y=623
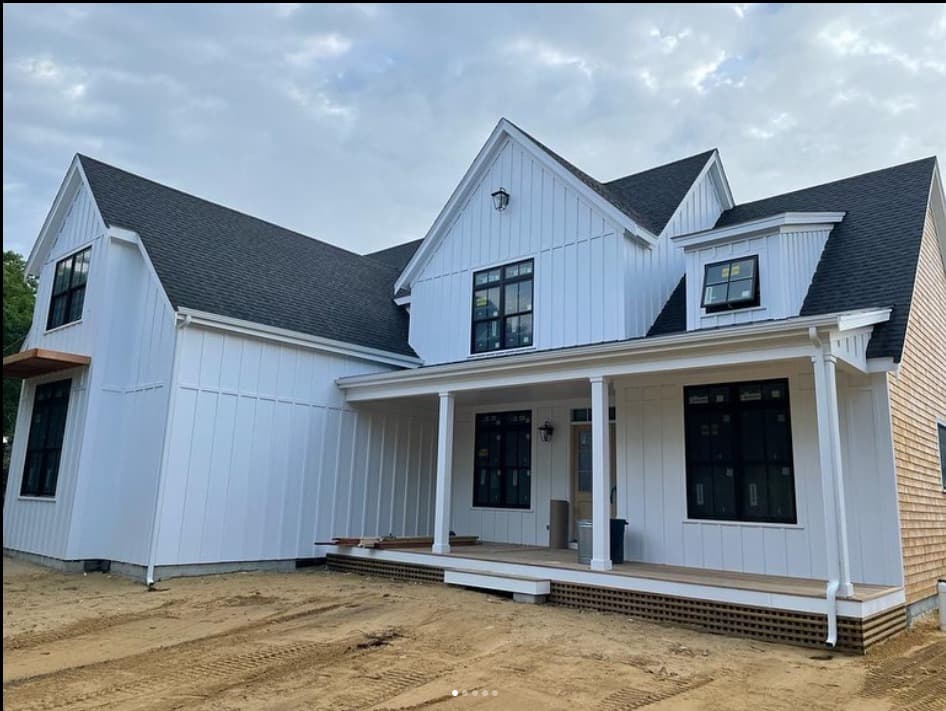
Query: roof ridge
x=287, y=230
x=837, y=180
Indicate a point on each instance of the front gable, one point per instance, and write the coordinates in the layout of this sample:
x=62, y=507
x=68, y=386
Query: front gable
x=484, y=166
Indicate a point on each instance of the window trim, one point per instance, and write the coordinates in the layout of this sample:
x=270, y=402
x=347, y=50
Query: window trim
x=738, y=474
x=70, y=290
x=754, y=302
x=941, y=427
x=506, y=509
x=33, y=495
x=501, y=315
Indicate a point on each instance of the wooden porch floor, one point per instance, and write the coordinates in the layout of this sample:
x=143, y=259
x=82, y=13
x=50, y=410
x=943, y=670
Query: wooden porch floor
x=568, y=559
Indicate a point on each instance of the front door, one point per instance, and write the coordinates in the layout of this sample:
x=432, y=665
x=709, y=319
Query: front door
x=581, y=475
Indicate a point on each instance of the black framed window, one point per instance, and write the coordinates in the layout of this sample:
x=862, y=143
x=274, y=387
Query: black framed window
x=44, y=442
x=942, y=452
x=503, y=460
x=739, y=452
x=583, y=414
x=68, y=297
x=502, y=308
x=733, y=284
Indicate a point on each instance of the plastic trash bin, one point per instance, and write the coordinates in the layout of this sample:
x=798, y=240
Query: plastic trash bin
x=617, y=539
x=584, y=541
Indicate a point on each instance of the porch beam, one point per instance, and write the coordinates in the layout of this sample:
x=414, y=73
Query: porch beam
x=600, y=475
x=444, y=473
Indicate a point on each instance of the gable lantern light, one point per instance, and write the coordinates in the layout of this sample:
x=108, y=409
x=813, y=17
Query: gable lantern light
x=500, y=199
x=546, y=431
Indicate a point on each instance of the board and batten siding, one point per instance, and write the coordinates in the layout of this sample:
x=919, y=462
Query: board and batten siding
x=787, y=263
x=652, y=484
x=917, y=402
x=131, y=371
x=41, y=526
x=578, y=255
x=651, y=275
x=266, y=457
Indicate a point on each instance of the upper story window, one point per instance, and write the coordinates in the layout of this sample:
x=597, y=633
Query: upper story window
x=44, y=442
x=65, y=304
x=733, y=284
x=502, y=307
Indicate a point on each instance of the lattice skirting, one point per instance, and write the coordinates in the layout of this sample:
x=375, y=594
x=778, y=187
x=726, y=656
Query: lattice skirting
x=783, y=626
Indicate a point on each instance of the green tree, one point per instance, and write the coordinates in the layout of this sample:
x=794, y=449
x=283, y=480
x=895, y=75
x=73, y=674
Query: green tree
x=19, y=295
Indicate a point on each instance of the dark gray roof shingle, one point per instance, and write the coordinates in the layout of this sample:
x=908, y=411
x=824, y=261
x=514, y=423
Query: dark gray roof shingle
x=212, y=258
x=649, y=197
x=673, y=316
x=397, y=256
x=871, y=256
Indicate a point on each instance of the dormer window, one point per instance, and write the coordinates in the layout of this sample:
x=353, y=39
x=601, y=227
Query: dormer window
x=733, y=284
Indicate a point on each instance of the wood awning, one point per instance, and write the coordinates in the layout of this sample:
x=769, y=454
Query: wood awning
x=39, y=361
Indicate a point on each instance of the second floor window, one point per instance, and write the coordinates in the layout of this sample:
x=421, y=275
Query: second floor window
x=502, y=308
x=68, y=297
x=733, y=284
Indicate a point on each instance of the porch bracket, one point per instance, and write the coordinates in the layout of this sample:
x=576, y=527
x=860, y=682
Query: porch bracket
x=601, y=476
x=444, y=474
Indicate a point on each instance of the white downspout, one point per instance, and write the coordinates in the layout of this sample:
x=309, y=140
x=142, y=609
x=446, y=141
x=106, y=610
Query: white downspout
x=831, y=590
x=159, y=497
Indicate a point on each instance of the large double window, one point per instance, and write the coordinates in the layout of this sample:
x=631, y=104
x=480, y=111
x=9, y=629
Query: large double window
x=739, y=452
x=68, y=297
x=44, y=443
x=733, y=284
x=502, y=308
x=502, y=476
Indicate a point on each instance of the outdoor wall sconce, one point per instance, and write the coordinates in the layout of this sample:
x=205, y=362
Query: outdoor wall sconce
x=546, y=431
x=500, y=199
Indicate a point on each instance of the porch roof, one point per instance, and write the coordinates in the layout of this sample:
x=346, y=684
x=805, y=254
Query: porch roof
x=845, y=334
x=39, y=361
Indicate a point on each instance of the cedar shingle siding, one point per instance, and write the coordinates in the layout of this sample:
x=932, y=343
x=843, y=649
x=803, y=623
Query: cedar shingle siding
x=918, y=398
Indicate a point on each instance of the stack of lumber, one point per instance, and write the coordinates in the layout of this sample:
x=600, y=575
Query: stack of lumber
x=396, y=542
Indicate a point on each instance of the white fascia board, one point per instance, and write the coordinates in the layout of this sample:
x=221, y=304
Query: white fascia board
x=704, y=171
x=937, y=205
x=403, y=300
x=73, y=181
x=295, y=338
x=719, y=175
x=767, y=340
x=778, y=222
x=123, y=234
x=505, y=130
x=861, y=319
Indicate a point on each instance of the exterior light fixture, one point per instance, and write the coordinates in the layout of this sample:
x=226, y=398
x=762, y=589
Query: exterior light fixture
x=546, y=431
x=500, y=199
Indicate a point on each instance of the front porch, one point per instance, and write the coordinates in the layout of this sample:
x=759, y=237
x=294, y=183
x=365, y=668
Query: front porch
x=769, y=607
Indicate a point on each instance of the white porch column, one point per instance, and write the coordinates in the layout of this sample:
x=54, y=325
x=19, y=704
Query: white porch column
x=832, y=471
x=444, y=475
x=600, y=476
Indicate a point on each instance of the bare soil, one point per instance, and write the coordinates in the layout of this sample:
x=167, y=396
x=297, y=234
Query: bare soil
x=321, y=640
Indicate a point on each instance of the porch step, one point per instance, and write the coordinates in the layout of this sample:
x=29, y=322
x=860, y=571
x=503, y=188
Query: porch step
x=523, y=589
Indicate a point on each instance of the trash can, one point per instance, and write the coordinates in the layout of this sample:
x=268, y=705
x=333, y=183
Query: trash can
x=617, y=539
x=584, y=541
x=941, y=588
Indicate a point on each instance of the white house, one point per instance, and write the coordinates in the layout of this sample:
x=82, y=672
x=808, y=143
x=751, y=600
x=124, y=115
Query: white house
x=758, y=389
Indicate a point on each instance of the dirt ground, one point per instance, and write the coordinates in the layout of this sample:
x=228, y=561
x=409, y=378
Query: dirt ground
x=320, y=640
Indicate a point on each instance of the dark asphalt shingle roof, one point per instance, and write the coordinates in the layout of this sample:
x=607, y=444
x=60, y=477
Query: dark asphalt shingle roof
x=215, y=259
x=397, y=256
x=649, y=197
x=870, y=259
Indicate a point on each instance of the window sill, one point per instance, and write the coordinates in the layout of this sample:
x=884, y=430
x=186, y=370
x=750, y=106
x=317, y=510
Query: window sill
x=46, y=499
x=60, y=328
x=744, y=524
x=496, y=354
x=722, y=312
x=502, y=509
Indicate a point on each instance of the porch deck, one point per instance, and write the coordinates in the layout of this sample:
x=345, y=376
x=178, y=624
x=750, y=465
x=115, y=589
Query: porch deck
x=568, y=559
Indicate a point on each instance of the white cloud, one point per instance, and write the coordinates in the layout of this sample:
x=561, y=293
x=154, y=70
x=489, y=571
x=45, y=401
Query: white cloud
x=287, y=9
x=545, y=54
x=318, y=102
x=670, y=41
x=697, y=75
x=316, y=47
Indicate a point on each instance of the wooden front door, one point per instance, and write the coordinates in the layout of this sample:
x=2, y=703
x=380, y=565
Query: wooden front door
x=582, y=476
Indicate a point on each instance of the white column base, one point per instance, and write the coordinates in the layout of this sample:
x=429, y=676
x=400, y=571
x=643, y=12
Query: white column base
x=440, y=548
x=598, y=564
x=845, y=590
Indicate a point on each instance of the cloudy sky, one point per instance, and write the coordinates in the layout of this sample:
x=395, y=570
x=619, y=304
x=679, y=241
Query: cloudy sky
x=354, y=123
